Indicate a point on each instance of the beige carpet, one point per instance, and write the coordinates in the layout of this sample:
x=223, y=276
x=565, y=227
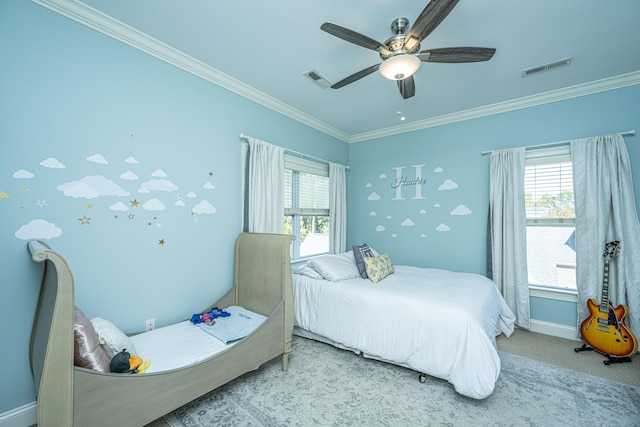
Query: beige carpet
x=560, y=352
x=555, y=351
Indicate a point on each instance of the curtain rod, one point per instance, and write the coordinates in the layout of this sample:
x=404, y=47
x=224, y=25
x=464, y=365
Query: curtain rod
x=243, y=136
x=626, y=133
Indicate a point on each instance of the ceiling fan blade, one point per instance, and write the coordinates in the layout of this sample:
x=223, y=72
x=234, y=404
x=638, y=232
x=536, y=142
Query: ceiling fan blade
x=457, y=54
x=355, y=38
x=407, y=87
x=429, y=19
x=355, y=76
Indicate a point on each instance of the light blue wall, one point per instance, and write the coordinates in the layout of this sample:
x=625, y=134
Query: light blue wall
x=70, y=93
x=453, y=152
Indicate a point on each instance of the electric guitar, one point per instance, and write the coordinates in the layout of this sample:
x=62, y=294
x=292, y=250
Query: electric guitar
x=604, y=330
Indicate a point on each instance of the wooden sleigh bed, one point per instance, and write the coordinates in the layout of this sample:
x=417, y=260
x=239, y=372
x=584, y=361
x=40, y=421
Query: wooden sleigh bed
x=68, y=395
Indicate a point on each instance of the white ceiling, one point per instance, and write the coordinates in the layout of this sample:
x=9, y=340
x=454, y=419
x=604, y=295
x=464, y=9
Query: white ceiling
x=261, y=50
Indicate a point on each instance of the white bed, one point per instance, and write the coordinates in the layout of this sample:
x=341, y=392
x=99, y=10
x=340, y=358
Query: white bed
x=434, y=321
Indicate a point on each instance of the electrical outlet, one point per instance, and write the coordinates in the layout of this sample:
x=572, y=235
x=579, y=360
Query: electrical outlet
x=151, y=324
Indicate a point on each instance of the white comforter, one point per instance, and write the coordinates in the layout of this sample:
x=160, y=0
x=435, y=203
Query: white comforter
x=434, y=321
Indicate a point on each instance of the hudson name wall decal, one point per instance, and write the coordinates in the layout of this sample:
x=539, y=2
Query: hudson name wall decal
x=402, y=181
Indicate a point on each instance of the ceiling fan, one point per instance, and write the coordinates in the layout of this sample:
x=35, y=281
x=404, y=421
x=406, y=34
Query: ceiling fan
x=401, y=55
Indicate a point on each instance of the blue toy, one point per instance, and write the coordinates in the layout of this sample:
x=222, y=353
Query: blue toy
x=208, y=318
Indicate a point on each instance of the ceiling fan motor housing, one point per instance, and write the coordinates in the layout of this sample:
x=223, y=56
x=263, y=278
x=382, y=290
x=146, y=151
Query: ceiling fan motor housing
x=396, y=42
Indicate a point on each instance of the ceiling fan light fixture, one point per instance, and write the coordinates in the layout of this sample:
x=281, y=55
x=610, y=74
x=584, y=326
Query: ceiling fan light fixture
x=400, y=67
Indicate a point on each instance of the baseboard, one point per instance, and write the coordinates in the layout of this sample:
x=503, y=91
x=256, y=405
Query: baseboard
x=554, y=329
x=24, y=416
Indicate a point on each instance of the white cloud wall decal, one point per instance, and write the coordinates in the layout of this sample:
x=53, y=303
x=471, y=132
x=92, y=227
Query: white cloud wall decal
x=153, y=205
x=52, y=163
x=98, y=158
x=373, y=196
x=23, y=174
x=448, y=185
x=407, y=223
x=91, y=187
x=157, y=185
x=38, y=229
x=443, y=227
x=204, y=207
x=461, y=210
x=129, y=176
x=121, y=207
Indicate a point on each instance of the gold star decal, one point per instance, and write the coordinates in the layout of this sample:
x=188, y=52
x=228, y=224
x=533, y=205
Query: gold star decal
x=3, y=195
x=210, y=173
x=161, y=242
x=135, y=203
x=89, y=206
x=116, y=217
x=131, y=216
x=24, y=188
x=84, y=220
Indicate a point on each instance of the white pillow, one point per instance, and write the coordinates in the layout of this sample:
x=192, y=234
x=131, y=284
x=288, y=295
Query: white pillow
x=336, y=267
x=112, y=339
x=307, y=270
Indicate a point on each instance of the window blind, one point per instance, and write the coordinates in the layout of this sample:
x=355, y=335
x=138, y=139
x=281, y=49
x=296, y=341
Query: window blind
x=306, y=187
x=548, y=183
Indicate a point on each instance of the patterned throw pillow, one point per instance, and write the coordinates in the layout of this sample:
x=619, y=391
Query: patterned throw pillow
x=378, y=267
x=361, y=252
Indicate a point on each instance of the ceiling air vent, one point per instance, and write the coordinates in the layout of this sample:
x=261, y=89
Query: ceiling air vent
x=546, y=67
x=318, y=79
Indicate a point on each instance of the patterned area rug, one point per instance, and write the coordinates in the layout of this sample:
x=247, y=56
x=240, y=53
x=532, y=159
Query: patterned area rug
x=329, y=387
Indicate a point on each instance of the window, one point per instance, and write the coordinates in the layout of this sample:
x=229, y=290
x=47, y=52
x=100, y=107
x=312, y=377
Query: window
x=551, y=257
x=306, y=206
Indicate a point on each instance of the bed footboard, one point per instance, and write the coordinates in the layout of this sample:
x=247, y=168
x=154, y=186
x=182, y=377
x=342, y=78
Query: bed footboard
x=263, y=278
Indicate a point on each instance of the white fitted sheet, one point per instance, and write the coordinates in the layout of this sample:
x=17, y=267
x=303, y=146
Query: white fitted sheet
x=176, y=346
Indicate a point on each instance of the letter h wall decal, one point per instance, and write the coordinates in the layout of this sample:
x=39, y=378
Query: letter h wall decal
x=402, y=181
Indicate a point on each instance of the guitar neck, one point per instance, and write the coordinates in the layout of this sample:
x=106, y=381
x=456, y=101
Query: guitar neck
x=604, y=301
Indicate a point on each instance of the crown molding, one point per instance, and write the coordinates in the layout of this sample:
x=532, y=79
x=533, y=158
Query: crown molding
x=92, y=18
x=118, y=30
x=596, y=86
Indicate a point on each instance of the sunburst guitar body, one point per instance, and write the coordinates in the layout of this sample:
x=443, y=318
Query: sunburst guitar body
x=605, y=330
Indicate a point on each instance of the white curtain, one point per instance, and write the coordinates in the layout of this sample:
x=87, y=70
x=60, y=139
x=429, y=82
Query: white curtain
x=337, y=208
x=606, y=211
x=507, y=230
x=265, y=187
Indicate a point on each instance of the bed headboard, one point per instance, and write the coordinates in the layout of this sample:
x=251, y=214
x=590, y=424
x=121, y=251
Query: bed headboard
x=256, y=254
x=52, y=359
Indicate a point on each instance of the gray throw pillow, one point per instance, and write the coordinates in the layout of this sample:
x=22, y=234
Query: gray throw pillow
x=361, y=252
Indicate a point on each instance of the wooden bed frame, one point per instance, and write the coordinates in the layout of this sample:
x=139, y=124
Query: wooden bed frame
x=71, y=396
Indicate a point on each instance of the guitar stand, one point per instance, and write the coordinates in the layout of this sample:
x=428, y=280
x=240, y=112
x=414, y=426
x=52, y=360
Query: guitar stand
x=610, y=359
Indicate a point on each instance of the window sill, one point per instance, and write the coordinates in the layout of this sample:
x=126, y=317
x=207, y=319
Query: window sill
x=559, y=294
